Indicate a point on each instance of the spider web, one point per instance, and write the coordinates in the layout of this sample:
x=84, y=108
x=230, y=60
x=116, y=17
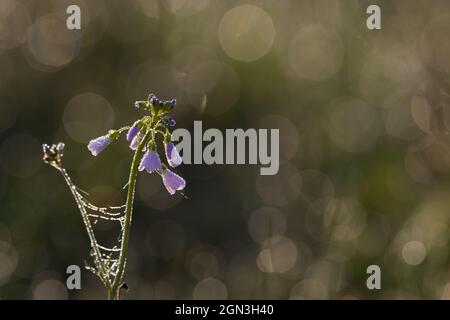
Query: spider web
x=106, y=258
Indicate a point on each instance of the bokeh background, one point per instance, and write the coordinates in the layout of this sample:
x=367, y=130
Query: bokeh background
x=365, y=155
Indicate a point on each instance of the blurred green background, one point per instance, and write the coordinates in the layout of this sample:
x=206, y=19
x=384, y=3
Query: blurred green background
x=364, y=146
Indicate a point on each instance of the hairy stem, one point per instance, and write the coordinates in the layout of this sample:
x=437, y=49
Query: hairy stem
x=113, y=292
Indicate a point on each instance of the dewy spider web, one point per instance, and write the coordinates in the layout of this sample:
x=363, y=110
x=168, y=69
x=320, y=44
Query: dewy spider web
x=105, y=258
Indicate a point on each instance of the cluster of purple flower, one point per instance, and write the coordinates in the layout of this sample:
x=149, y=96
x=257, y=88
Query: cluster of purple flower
x=163, y=103
x=144, y=131
x=153, y=102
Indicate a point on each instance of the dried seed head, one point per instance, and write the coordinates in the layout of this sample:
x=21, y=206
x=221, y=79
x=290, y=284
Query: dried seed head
x=53, y=154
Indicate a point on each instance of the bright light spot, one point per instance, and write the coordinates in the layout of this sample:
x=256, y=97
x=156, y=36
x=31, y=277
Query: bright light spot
x=316, y=53
x=50, y=289
x=278, y=255
x=246, y=33
x=414, y=252
x=87, y=116
x=210, y=289
x=51, y=43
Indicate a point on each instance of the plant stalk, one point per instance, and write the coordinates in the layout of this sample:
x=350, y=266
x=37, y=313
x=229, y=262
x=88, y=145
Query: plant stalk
x=113, y=292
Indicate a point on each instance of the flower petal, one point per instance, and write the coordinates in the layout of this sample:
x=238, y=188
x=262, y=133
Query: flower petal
x=173, y=182
x=99, y=144
x=172, y=155
x=132, y=132
x=150, y=162
x=135, y=142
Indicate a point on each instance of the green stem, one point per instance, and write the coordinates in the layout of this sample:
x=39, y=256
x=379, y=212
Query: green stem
x=113, y=291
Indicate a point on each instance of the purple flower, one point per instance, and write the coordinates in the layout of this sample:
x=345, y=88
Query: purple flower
x=171, y=121
x=135, y=142
x=172, y=155
x=172, y=181
x=132, y=132
x=150, y=162
x=99, y=144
